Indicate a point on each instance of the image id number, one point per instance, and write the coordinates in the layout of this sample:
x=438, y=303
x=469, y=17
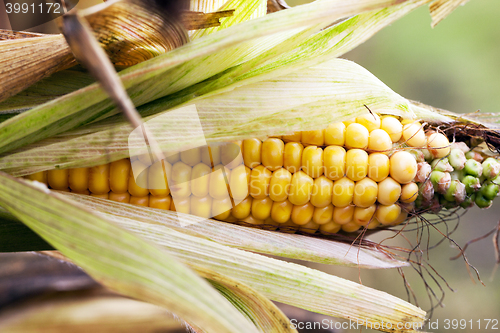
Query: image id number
x=42, y=8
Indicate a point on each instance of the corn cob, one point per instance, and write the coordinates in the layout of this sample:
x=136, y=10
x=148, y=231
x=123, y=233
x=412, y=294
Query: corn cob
x=366, y=172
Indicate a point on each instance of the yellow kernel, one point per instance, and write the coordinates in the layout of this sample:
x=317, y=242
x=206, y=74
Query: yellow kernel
x=252, y=220
x=350, y=227
x=312, y=161
x=182, y=205
x=294, y=137
x=230, y=154
x=292, y=160
x=146, y=158
x=310, y=227
x=158, y=176
x=401, y=218
x=261, y=208
x=173, y=157
x=323, y=215
x=242, y=209
x=409, y=192
x=273, y=153
x=438, y=145
x=218, y=182
x=365, y=193
x=393, y=127
x=86, y=192
x=120, y=197
x=191, y=156
x=343, y=192
x=363, y=215
x=140, y=201
x=414, y=135
x=260, y=178
x=343, y=215
x=97, y=195
x=79, y=179
x=201, y=206
x=200, y=179
x=99, y=179
x=288, y=227
x=374, y=224
x=119, y=172
x=138, y=179
x=302, y=214
x=403, y=167
x=158, y=202
x=329, y=228
x=386, y=215
x=334, y=158
x=39, y=177
x=356, y=136
x=221, y=208
x=315, y=137
x=210, y=155
x=349, y=121
x=270, y=224
x=380, y=141
x=335, y=134
x=238, y=182
x=321, y=194
x=300, y=188
x=180, y=186
x=280, y=185
x=378, y=166
x=356, y=164
x=389, y=191
x=281, y=211
x=369, y=120
x=252, y=149
x=58, y=179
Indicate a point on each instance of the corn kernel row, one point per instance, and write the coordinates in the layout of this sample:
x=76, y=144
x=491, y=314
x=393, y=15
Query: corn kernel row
x=344, y=177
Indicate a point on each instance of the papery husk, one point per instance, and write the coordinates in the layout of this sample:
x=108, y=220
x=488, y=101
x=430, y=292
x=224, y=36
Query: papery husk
x=84, y=310
x=251, y=239
x=129, y=31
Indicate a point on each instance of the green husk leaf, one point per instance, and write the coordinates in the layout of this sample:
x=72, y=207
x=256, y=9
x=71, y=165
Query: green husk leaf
x=251, y=239
x=54, y=86
x=278, y=280
x=120, y=260
x=260, y=310
x=244, y=10
x=298, y=101
x=143, y=80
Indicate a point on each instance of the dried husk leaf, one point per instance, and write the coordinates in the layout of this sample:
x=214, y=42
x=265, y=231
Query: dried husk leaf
x=440, y=9
x=119, y=260
x=83, y=311
x=28, y=60
x=255, y=240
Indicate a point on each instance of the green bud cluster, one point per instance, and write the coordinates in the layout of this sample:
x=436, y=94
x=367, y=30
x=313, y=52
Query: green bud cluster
x=459, y=179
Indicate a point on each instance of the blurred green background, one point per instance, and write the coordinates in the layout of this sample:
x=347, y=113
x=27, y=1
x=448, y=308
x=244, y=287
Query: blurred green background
x=455, y=66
